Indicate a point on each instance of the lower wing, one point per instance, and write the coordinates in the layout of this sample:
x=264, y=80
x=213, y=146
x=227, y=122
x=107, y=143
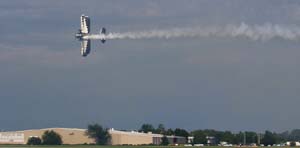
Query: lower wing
x=85, y=47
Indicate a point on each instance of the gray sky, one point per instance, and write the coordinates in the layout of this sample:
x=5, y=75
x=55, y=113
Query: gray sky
x=193, y=83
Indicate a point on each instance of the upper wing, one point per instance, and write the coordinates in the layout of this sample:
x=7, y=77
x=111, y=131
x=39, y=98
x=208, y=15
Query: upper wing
x=85, y=47
x=85, y=24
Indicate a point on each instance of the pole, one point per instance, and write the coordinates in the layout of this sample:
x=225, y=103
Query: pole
x=244, y=138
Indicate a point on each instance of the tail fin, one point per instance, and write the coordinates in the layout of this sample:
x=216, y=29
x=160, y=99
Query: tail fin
x=103, y=32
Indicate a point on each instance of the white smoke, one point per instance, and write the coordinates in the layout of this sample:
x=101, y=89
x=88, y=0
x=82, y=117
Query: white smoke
x=254, y=32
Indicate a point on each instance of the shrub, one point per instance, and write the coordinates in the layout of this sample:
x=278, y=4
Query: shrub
x=34, y=141
x=51, y=138
x=100, y=134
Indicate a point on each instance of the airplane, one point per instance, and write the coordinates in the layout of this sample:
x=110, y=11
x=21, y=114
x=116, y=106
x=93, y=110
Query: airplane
x=83, y=35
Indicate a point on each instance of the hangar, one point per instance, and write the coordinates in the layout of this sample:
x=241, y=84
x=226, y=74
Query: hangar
x=139, y=138
x=78, y=136
x=68, y=135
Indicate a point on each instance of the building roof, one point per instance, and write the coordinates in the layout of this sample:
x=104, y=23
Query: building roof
x=54, y=128
x=112, y=130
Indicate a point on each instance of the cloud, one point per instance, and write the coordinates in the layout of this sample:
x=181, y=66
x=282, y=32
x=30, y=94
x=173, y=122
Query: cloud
x=41, y=64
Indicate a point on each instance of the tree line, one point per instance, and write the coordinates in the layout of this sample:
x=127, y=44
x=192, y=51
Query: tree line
x=102, y=137
x=246, y=137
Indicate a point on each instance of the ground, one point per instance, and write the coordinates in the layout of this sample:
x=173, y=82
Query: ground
x=91, y=146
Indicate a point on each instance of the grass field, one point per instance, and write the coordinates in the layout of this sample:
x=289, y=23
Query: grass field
x=93, y=146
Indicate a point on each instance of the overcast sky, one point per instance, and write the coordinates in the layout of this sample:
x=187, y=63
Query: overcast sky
x=193, y=83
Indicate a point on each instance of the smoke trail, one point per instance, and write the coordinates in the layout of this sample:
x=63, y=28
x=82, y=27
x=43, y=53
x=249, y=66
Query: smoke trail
x=254, y=32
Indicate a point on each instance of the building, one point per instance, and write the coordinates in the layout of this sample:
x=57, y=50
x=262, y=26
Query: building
x=191, y=139
x=289, y=143
x=130, y=137
x=78, y=136
x=211, y=140
x=139, y=138
x=69, y=136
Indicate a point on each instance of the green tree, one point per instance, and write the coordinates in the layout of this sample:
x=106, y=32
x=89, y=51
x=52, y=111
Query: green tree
x=147, y=128
x=160, y=129
x=34, y=141
x=169, y=132
x=269, y=138
x=294, y=135
x=164, y=140
x=199, y=137
x=227, y=136
x=251, y=137
x=239, y=138
x=51, y=138
x=181, y=132
x=284, y=136
x=100, y=134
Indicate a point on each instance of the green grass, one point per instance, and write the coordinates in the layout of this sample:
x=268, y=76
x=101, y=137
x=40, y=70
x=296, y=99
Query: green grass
x=94, y=146
x=97, y=146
